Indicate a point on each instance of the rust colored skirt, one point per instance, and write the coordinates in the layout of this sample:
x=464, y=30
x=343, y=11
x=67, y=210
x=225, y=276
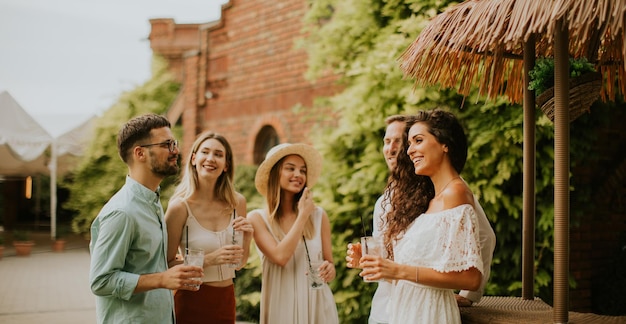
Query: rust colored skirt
x=215, y=305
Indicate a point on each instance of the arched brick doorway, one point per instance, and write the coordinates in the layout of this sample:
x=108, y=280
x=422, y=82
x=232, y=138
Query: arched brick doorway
x=265, y=140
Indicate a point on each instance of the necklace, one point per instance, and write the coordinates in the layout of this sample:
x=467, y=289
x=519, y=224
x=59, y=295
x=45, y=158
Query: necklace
x=444, y=187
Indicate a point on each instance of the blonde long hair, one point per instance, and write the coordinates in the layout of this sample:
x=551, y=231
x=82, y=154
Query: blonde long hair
x=274, y=202
x=225, y=189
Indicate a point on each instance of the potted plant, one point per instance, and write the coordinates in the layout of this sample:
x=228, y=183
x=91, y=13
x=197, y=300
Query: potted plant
x=584, y=83
x=22, y=243
x=58, y=244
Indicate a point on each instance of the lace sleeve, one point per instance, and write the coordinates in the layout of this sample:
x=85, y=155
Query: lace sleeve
x=459, y=240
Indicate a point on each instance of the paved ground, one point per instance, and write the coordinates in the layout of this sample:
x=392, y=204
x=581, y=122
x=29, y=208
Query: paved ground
x=47, y=287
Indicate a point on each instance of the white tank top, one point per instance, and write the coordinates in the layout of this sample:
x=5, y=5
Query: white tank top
x=209, y=241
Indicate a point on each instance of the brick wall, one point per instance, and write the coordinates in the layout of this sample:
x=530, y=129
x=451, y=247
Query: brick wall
x=243, y=73
x=172, y=41
x=594, y=237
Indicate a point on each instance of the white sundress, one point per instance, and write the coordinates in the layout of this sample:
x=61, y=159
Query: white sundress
x=285, y=293
x=444, y=241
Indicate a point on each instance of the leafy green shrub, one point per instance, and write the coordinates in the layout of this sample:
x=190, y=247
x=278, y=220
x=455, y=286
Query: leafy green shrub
x=21, y=236
x=62, y=232
x=542, y=75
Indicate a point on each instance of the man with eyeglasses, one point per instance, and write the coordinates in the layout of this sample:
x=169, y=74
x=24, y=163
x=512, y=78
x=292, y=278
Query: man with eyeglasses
x=129, y=273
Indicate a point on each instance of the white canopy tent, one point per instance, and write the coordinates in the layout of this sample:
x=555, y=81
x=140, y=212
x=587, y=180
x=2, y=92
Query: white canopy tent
x=23, y=141
x=26, y=148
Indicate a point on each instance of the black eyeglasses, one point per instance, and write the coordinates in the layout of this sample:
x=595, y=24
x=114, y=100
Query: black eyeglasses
x=170, y=144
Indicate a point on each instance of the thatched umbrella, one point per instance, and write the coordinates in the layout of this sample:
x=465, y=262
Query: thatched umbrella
x=484, y=39
x=493, y=43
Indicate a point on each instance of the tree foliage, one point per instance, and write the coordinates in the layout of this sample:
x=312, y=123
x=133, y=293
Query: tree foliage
x=101, y=172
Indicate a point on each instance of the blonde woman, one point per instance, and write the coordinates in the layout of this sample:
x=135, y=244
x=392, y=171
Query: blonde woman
x=290, y=234
x=204, y=212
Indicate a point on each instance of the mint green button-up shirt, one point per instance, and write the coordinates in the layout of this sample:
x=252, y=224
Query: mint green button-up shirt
x=129, y=238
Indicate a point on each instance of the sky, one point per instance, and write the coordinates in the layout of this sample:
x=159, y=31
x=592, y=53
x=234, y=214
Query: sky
x=65, y=61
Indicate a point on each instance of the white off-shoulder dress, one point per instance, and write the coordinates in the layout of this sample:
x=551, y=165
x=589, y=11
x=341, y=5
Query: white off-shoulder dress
x=444, y=241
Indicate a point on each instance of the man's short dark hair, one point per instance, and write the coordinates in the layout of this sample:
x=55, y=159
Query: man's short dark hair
x=138, y=129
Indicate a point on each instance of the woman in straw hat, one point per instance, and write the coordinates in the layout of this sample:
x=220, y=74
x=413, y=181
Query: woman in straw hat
x=432, y=234
x=293, y=239
x=204, y=213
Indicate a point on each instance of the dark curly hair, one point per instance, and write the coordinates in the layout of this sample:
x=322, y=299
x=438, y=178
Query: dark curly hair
x=409, y=193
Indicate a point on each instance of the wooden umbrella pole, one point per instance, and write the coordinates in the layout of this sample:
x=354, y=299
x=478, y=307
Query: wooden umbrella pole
x=528, y=212
x=561, y=173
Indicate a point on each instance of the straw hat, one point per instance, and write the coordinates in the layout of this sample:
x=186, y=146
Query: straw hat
x=312, y=159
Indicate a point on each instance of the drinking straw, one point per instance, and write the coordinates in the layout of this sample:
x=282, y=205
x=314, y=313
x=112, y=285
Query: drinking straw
x=364, y=234
x=363, y=225
x=233, y=227
x=187, y=237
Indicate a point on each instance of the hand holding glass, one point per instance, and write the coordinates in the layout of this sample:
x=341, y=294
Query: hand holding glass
x=195, y=257
x=315, y=281
x=353, y=255
x=371, y=246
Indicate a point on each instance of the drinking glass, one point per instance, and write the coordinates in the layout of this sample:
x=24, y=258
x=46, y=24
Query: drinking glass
x=194, y=257
x=237, y=239
x=371, y=245
x=313, y=275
